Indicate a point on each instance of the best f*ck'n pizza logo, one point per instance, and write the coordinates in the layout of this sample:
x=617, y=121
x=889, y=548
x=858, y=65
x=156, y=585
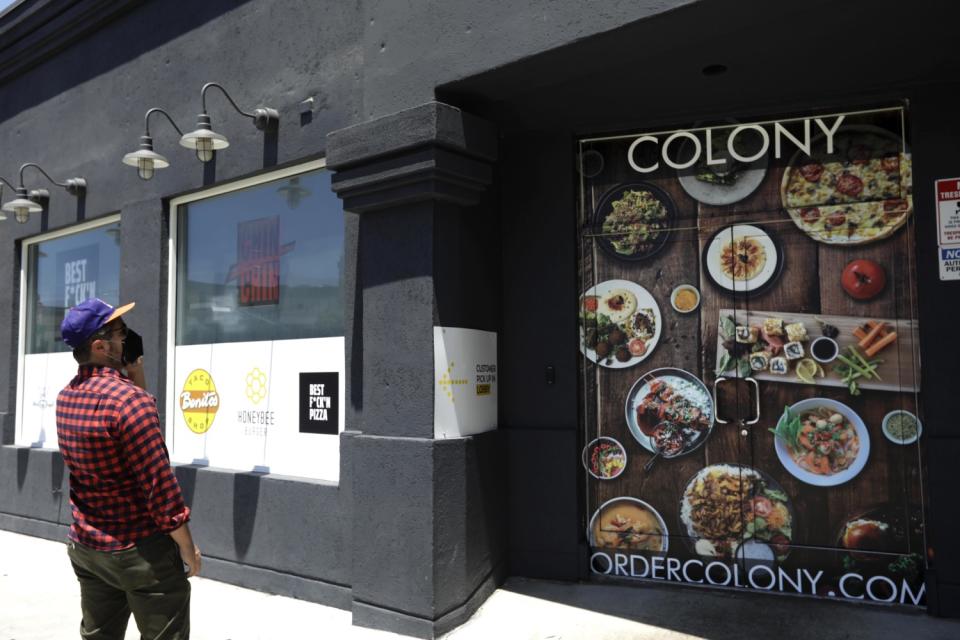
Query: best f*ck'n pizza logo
x=199, y=401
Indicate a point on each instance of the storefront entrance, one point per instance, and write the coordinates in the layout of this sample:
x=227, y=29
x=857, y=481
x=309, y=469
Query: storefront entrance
x=750, y=378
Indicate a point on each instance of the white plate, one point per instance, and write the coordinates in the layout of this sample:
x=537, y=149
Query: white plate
x=723, y=238
x=723, y=194
x=838, y=478
x=644, y=301
x=665, y=537
x=686, y=382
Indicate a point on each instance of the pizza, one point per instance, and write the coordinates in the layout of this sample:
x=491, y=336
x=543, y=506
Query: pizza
x=859, y=193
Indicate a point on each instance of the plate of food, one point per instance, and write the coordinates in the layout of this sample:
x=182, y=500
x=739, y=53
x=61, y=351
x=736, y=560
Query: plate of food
x=628, y=523
x=632, y=221
x=604, y=458
x=727, y=506
x=743, y=258
x=822, y=442
x=620, y=324
x=718, y=178
x=766, y=346
x=881, y=537
x=669, y=411
x=862, y=192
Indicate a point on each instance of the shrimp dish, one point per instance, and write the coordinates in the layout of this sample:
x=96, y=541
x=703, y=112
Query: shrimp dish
x=821, y=441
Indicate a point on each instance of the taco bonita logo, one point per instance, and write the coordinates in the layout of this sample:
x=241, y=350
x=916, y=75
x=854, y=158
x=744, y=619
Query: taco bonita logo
x=199, y=401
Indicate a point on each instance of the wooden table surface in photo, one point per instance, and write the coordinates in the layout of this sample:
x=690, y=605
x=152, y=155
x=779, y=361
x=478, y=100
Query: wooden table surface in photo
x=809, y=284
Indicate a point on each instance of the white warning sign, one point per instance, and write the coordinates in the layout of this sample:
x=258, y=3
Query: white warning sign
x=948, y=210
x=950, y=262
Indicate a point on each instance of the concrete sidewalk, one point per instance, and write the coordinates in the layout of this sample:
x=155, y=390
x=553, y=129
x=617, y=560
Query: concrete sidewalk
x=40, y=600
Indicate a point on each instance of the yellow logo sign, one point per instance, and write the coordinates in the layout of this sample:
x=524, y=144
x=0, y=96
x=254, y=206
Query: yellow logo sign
x=199, y=401
x=256, y=385
x=447, y=383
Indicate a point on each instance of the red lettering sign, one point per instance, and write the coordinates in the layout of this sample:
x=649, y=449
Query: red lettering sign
x=257, y=270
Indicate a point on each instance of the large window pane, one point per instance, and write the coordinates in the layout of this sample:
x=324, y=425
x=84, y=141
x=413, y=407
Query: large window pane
x=261, y=263
x=63, y=272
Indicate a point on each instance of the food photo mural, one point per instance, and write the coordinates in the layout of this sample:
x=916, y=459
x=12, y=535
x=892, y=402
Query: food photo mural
x=749, y=367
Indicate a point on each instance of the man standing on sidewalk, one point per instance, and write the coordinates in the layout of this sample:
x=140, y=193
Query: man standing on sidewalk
x=129, y=540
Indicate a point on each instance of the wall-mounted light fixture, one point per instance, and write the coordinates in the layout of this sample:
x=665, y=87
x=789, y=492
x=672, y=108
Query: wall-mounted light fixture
x=28, y=202
x=204, y=140
x=145, y=159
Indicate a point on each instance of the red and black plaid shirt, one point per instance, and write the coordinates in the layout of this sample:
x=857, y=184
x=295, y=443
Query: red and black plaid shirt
x=122, y=488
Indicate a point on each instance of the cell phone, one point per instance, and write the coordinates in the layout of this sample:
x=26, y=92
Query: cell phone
x=132, y=347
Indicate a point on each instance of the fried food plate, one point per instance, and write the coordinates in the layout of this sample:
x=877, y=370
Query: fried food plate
x=686, y=386
x=645, y=300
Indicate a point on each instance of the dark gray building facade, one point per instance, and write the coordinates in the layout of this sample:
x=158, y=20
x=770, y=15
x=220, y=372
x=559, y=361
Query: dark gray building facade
x=447, y=136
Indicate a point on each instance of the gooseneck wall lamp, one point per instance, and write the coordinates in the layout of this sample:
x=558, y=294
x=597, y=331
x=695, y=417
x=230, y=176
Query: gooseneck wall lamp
x=145, y=159
x=27, y=202
x=204, y=140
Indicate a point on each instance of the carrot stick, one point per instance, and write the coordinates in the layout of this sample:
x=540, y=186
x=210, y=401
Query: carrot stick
x=859, y=333
x=872, y=335
x=880, y=344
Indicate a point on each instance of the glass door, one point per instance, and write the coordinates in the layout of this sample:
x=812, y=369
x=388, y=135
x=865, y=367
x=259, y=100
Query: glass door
x=661, y=424
x=838, y=429
x=777, y=260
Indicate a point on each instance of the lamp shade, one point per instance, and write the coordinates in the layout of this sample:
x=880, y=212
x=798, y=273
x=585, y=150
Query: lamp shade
x=204, y=140
x=145, y=159
x=21, y=207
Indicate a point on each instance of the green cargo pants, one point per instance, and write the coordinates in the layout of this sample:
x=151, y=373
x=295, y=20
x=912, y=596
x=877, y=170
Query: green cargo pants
x=147, y=580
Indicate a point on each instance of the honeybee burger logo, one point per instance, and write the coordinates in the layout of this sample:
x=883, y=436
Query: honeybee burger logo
x=199, y=401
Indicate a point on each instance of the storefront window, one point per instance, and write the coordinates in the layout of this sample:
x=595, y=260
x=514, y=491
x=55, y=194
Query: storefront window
x=262, y=263
x=63, y=272
x=258, y=351
x=59, y=271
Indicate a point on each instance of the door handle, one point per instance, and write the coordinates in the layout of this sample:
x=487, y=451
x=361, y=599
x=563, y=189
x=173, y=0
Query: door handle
x=716, y=401
x=756, y=395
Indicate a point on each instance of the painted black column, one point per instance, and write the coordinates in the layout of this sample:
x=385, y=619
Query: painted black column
x=428, y=534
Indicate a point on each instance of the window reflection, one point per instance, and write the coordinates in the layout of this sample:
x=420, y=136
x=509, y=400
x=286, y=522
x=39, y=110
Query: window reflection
x=63, y=272
x=262, y=263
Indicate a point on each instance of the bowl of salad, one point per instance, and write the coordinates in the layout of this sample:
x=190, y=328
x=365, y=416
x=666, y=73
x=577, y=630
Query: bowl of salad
x=632, y=221
x=604, y=458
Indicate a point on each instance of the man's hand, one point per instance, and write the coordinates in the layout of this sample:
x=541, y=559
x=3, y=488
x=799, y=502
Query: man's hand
x=135, y=373
x=190, y=554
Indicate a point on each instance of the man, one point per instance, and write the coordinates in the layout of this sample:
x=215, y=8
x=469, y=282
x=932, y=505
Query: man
x=129, y=540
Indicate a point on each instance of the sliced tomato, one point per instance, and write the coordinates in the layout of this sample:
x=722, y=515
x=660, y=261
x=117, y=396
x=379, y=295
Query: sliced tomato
x=812, y=171
x=891, y=164
x=849, y=185
x=836, y=219
x=590, y=303
x=637, y=347
x=810, y=214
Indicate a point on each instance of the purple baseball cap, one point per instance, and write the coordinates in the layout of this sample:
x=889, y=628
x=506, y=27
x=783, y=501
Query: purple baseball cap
x=87, y=318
